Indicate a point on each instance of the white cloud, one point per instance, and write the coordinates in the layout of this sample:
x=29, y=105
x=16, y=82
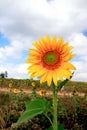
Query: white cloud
x=81, y=72
x=14, y=49
x=22, y=68
x=21, y=19
x=3, y=69
x=15, y=70
x=79, y=41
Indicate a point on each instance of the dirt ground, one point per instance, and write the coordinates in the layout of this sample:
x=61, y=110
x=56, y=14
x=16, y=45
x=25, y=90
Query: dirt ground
x=48, y=93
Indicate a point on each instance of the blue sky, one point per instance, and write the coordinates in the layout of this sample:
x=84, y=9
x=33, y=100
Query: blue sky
x=85, y=32
x=3, y=40
x=24, y=22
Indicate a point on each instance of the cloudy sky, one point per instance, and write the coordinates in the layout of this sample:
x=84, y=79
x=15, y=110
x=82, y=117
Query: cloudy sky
x=23, y=22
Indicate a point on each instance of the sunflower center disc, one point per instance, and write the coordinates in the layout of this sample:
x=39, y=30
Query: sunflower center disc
x=51, y=58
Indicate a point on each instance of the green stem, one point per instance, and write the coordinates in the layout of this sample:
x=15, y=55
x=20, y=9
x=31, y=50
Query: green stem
x=55, y=123
x=49, y=120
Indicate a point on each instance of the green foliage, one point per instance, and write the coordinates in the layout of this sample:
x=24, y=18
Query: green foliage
x=33, y=108
x=16, y=97
x=72, y=108
x=62, y=111
x=67, y=107
x=33, y=94
x=60, y=127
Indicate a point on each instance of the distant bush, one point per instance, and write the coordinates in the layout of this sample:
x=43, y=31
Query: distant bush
x=4, y=75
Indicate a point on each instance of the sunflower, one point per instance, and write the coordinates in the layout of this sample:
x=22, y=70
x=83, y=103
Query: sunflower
x=10, y=85
x=15, y=90
x=33, y=84
x=50, y=60
x=42, y=92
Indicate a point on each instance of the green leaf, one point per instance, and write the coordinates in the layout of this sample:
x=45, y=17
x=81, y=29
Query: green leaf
x=85, y=111
x=60, y=127
x=50, y=128
x=29, y=114
x=39, y=103
x=61, y=84
x=33, y=108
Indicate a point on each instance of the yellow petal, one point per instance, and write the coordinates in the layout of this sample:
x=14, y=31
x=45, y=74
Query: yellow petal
x=53, y=43
x=66, y=74
x=55, y=77
x=70, y=48
x=63, y=73
x=39, y=46
x=72, y=56
x=43, y=78
x=60, y=76
x=39, y=72
x=32, y=76
x=36, y=68
x=49, y=77
x=54, y=39
x=60, y=43
x=48, y=43
x=45, y=42
x=68, y=57
x=68, y=65
x=33, y=52
x=33, y=60
x=66, y=48
x=48, y=39
x=33, y=67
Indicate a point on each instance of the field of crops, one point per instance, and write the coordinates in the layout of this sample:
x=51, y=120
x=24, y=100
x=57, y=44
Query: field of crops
x=19, y=83
x=72, y=110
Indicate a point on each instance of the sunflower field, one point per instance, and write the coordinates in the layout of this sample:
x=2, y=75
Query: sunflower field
x=14, y=93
